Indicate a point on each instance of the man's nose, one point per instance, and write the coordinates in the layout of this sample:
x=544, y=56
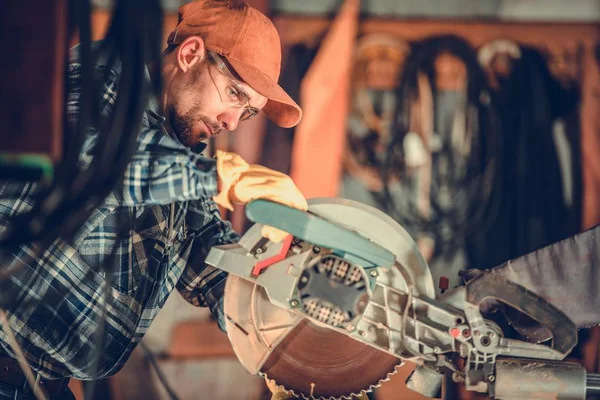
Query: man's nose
x=231, y=118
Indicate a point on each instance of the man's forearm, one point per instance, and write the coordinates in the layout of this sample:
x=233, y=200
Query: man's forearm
x=166, y=179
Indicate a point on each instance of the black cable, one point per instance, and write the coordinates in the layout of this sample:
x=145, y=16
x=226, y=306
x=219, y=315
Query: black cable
x=476, y=204
x=131, y=102
x=60, y=210
x=46, y=200
x=22, y=226
x=161, y=377
x=52, y=216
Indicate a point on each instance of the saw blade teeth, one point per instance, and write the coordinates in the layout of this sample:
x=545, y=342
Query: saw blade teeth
x=351, y=396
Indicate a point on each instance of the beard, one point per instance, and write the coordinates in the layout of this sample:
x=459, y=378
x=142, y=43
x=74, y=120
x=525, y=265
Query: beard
x=183, y=124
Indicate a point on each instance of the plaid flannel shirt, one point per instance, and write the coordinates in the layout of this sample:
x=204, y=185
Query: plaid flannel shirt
x=167, y=193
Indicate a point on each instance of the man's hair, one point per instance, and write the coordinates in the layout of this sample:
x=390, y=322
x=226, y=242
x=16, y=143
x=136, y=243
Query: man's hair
x=170, y=48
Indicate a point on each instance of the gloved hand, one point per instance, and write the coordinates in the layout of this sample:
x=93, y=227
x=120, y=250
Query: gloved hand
x=241, y=182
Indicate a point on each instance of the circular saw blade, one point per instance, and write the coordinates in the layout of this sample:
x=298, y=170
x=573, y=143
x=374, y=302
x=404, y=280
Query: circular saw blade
x=310, y=360
x=317, y=362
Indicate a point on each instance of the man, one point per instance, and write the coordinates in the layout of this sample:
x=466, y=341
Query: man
x=221, y=67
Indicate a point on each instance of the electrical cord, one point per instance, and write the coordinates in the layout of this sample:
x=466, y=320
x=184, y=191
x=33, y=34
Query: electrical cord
x=61, y=209
x=27, y=227
x=45, y=198
x=132, y=89
x=159, y=373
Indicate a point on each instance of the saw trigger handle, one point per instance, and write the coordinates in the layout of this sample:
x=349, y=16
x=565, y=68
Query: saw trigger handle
x=490, y=285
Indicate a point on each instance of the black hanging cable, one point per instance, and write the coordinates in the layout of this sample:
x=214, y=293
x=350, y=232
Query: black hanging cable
x=476, y=204
x=27, y=227
x=159, y=373
x=133, y=87
x=75, y=191
x=62, y=210
x=59, y=211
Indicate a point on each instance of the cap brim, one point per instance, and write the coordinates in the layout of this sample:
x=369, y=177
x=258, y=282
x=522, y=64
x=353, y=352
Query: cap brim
x=280, y=107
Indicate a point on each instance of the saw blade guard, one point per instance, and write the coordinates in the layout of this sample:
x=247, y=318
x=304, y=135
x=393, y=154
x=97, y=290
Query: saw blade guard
x=263, y=309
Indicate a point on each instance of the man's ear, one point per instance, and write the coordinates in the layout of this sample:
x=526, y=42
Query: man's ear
x=190, y=52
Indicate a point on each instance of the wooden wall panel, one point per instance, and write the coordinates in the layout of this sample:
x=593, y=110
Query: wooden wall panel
x=101, y=20
x=304, y=29
x=31, y=103
x=562, y=40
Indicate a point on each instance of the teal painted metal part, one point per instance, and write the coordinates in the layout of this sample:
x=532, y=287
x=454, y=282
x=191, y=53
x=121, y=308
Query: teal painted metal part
x=320, y=232
x=38, y=167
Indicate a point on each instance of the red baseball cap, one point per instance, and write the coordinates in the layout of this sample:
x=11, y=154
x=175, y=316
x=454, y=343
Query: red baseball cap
x=249, y=42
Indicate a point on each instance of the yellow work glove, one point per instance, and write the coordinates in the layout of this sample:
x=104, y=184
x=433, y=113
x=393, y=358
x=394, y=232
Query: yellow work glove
x=241, y=182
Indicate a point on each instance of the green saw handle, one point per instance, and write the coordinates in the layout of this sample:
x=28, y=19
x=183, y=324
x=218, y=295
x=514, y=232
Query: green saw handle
x=320, y=232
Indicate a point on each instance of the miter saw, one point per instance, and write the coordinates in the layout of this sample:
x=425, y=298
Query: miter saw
x=333, y=310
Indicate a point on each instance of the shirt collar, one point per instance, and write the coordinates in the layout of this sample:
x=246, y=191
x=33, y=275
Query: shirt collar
x=157, y=121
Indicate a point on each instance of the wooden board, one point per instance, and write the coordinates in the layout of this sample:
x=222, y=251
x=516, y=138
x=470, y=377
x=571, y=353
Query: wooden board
x=199, y=340
x=306, y=29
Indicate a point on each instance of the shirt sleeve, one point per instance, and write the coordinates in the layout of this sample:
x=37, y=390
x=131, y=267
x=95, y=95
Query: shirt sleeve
x=164, y=178
x=201, y=284
x=161, y=171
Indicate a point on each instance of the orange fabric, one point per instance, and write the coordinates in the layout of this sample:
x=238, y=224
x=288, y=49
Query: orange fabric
x=325, y=91
x=590, y=138
x=249, y=42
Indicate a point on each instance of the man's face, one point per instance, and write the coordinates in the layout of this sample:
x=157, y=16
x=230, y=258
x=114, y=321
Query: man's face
x=206, y=99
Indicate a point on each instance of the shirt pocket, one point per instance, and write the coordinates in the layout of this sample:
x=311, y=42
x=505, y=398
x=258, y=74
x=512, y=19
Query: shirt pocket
x=150, y=242
x=99, y=241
